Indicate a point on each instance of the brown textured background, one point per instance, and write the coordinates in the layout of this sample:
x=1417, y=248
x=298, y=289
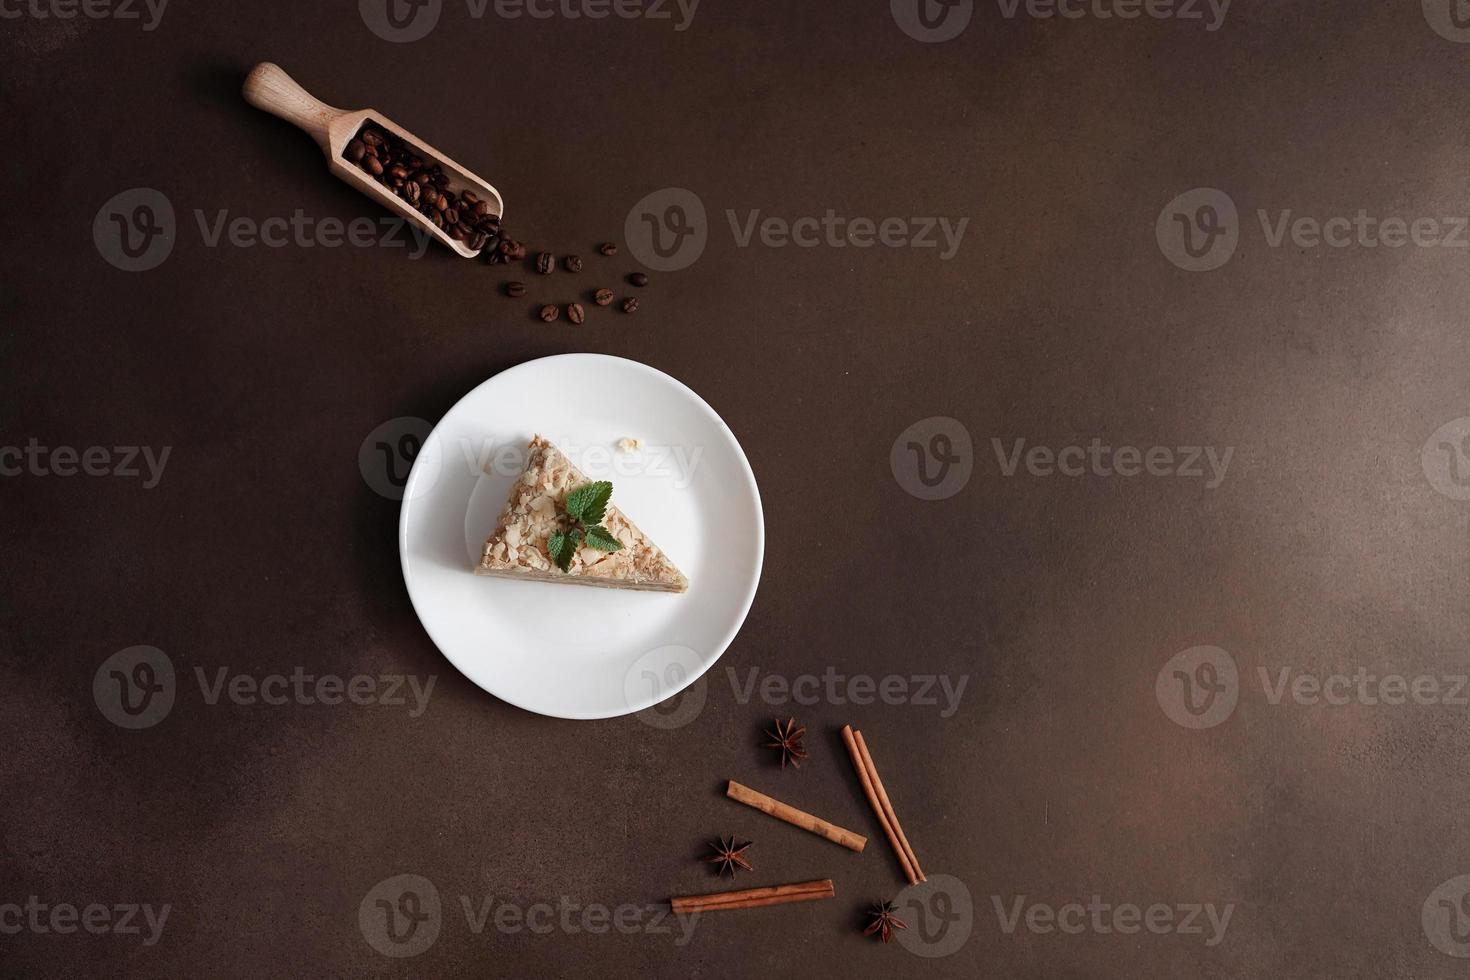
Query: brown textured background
x=262, y=549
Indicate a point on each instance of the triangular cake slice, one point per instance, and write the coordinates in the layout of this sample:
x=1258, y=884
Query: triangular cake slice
x=518, y=546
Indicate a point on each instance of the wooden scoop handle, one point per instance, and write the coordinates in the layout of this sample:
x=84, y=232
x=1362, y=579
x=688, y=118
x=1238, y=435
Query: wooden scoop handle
x=268, y=87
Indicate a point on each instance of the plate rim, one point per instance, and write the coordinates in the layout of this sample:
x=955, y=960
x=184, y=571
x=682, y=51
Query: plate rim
x=748, y=601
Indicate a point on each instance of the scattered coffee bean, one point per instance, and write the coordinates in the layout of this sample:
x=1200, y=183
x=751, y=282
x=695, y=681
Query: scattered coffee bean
x=549, y=312
x=575, y=313
x=608, y=248
x=630, y=305
x=355, y=151
x=574, y=263
x=639, y=279
x=515, y=290
x=546, y=263
x=604, y=297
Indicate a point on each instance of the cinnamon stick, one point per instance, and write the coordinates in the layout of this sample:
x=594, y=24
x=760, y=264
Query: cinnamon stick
x=795, y=817
x=913, y=859
x=750, y=898
x=871, y=792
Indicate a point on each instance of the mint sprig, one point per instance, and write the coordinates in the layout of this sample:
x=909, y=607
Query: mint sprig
x=586, y=507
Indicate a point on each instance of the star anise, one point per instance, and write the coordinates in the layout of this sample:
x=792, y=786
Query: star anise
x=885, y=920
x=729, y=854
x=788, y=738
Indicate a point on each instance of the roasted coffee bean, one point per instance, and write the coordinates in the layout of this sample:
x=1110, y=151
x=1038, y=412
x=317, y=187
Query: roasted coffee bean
x=469, y=197
x=411, y=192
x=573, y=263
x=356, y=150
x=575, y=313
x=371, y=137
x=441, y=201
x=630, y=305
x=515, y=289
x=429, y=194
x=549, y=313
x=398, y=170
x=608, y=248
x=477, y=240
x=459, y=233
x=483, y=209
x=507, y=248
x=603, y=297
x=518, y=251
x=639, y=279
x=545, y=263
x=372, y=166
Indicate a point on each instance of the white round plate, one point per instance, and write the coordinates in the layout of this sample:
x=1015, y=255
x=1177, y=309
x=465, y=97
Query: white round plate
x=566, y=650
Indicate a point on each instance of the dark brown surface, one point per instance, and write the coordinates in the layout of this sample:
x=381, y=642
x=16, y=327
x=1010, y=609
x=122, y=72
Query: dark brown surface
x=1327, y=548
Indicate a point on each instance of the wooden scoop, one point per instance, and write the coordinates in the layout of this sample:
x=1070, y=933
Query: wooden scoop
x=268, y=87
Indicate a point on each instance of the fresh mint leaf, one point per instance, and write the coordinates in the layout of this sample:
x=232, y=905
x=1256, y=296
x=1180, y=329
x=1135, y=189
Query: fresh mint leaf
x=586, y=506
x=601, y=538
x=562, y=548
x=588, y=503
